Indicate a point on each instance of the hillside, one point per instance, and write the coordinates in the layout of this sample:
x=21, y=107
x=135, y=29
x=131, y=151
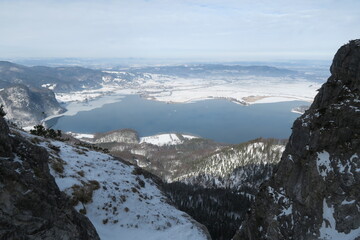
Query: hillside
x=243, y=165
x=58, y=79
x=214, y=183
x=119, y=199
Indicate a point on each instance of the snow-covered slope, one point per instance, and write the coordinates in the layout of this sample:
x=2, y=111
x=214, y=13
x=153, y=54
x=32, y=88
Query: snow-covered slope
x=248, y=163
x=120, y=200
x=166, y=139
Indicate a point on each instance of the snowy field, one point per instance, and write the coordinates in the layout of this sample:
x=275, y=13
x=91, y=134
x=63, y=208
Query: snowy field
x=242, y=90
x=166, y=139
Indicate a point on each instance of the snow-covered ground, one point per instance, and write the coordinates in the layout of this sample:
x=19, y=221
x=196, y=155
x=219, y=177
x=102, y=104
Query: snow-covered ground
x=124, y=204
x=166, y=139
x=250, y=90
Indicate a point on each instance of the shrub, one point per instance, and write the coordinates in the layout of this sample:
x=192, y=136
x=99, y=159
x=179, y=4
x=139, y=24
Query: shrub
x=83, y=211
x=81, y=173
x=2, y=112
x=58, y=167
x=40, y=130
x=84, y=193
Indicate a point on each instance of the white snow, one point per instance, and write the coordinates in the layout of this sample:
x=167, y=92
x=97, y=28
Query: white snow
x=121, y=208
x=323, y=164
x=298, y=112
x=165, y=139
x=345, y=202
x=81, y=135
x=328, y=229
x=49, y=86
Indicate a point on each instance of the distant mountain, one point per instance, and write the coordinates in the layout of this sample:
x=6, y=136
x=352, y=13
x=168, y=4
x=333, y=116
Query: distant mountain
x=314, y=193
x=27, y=92
x=215, y=70
x=59, y=79
x=26, y=106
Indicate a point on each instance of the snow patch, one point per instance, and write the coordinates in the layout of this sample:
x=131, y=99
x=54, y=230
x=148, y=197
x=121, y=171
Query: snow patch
x=49, y=86
x=328, y=229
x=323, y=164
x=166, y=139
x=81, y=135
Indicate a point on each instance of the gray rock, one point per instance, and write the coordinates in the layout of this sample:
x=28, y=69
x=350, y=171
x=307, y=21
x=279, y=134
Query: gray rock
x=31, y=204
x=315, y=189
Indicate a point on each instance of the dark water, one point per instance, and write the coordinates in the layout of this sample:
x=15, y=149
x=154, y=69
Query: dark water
x=220, y=120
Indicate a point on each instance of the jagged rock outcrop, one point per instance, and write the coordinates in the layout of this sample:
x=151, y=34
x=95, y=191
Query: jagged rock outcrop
x=27, y=106
x=315, y=192
x=31, y=204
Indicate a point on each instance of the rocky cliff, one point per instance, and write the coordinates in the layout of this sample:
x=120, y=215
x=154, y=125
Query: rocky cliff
x=315, y=191
x=27, y=106
x=31, y=204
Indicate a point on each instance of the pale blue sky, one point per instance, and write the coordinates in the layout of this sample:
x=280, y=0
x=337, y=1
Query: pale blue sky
x=197, y=29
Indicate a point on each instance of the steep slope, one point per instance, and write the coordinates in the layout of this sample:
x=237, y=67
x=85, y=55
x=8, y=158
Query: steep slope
x=220, y=210
x=28, y=106
x=246, y=164
x=31, y=204
x=121, y=200
x=314, y=193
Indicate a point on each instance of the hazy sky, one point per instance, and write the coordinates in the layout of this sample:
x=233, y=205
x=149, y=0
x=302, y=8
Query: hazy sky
x=190, y=29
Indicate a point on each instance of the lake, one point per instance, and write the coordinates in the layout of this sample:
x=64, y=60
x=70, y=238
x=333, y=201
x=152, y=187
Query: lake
x=220, y=120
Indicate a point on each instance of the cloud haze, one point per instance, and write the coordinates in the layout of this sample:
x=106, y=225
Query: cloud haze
x=197, y=29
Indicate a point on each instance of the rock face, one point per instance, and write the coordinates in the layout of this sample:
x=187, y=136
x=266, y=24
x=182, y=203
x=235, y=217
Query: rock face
x=315, y=192
x=28, y=106
x=31, y=204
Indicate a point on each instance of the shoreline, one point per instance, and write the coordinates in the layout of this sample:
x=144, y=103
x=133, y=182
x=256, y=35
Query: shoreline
x=88, y=104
